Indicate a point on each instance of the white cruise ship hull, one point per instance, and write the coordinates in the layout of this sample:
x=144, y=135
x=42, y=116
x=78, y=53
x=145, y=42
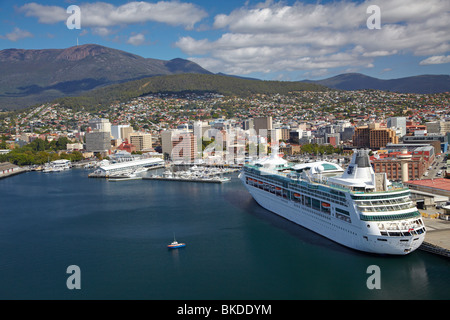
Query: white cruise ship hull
x=351, y=235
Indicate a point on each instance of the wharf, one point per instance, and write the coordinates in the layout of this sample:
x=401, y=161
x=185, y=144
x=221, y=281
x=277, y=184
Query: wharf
x=437, y=238
x=95, y=175
x=183, y=179
x=8, y=169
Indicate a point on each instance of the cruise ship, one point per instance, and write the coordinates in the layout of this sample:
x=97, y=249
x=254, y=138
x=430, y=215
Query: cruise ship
x=354, y=207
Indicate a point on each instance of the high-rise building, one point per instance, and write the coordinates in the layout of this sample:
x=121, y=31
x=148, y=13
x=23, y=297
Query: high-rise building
x=247, y=124
x=262, y=123
x=178, y=145
x=440, y=127
x=121, y=132
x=99, y=138
x=398, y=123
x=142, y=141
x=373, y=136
x=100, y=125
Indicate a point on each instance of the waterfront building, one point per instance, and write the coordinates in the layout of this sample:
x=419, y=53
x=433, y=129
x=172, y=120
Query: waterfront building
x=127, y=166
x=440, y=186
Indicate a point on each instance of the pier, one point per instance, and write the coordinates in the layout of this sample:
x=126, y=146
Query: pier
x=185, y=179
x=101, y=175
x=8, y=169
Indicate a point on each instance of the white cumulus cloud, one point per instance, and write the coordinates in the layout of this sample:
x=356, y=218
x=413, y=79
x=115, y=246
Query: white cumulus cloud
x=275, y=37
x=137, y=39
x=435, y=60
x=17, y=34
x=102, y=14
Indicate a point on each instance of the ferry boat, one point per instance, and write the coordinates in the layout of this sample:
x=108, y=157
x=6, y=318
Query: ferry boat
x=356, y=207
x=57, y=166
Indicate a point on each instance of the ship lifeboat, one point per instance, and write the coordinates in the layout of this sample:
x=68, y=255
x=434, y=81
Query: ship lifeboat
x=277, y=188
x=260, y=182
x=325, y=205
x=296, y=195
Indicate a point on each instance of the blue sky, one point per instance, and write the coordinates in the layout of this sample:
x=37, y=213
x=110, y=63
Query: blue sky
x=281, y=40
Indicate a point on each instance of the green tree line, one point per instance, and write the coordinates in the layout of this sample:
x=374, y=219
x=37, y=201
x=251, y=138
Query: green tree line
x=40, y=151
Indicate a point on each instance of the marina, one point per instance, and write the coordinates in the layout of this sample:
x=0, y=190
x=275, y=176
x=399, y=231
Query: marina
x=182, y=179
x=195, y=174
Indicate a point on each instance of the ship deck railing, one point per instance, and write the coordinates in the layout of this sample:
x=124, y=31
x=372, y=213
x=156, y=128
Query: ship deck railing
x=295, y=178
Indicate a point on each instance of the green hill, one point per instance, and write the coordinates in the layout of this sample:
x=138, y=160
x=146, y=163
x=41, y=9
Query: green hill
x=196, y=83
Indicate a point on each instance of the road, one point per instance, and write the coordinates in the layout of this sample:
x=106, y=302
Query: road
x=440, y=163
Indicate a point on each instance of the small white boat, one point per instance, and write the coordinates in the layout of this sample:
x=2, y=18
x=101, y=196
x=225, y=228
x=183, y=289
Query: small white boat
x=175, y=244
x=128, y=177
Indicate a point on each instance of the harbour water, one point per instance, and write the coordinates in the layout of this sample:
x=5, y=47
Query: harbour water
x=117, y=234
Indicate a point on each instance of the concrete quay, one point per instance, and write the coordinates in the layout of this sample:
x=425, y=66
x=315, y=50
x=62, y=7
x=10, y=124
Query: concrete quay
x=437, y=238
x=7, y=170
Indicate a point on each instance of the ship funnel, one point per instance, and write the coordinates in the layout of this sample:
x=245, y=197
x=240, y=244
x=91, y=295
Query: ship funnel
x=362, y=158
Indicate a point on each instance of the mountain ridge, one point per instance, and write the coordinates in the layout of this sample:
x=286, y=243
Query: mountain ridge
x=32, y=76
x=421, y=84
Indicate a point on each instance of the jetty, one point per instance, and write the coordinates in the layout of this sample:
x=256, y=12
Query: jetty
x=206, y=180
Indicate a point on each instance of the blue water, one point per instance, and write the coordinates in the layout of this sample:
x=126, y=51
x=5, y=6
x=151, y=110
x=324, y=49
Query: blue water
x=117, y=233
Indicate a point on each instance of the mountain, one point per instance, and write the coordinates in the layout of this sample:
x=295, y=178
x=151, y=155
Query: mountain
x=415, y=84
x=34, y=76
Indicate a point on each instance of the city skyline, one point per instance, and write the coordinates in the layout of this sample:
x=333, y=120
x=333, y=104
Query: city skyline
x=272, y=40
